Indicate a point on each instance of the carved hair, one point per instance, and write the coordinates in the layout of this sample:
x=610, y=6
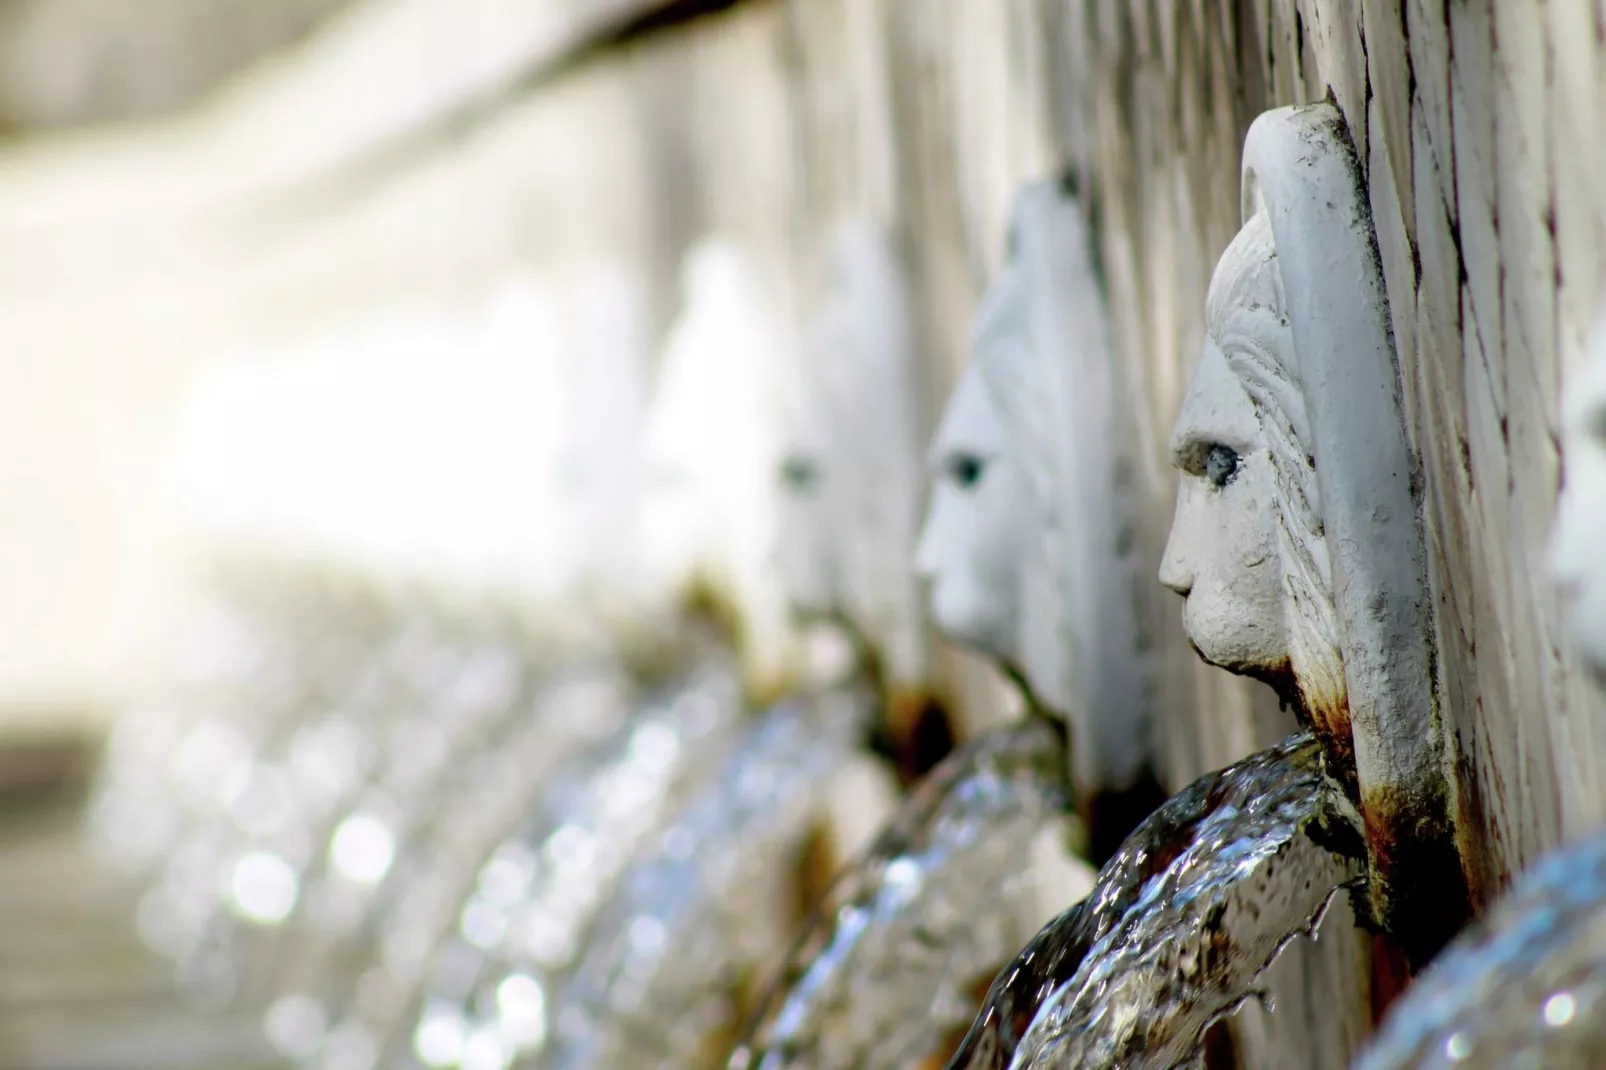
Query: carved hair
x=1044, y=350
x=1248, y=317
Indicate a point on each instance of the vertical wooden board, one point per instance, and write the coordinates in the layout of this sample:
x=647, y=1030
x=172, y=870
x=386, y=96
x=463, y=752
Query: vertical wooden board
x=1389, y=77
x=1442, y=436
x=1311, y=83
x=1499, y=756
x=1472, y=88
x=1287, y=55
x=1333, y=28
x=1399, y=264
x=1527, y=256
x=1577, y=157
x=1255, y=31
x=1428, y=37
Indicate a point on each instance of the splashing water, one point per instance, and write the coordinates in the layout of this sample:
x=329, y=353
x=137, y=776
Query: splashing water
x=539, y=893
x=352, y=986
x=934, y=905
x=659, y=984
x=1182, y=923
x=1525, y=987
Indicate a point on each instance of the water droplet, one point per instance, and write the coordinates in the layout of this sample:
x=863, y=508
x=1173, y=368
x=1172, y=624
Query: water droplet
x=264, y=888
x=483, y=924
x=1560, y=1009
x=363, y=848
x=484, y=1050
x=295, y=1025
x=521, y=1002
x=441, y=1033
x=1458, y=1047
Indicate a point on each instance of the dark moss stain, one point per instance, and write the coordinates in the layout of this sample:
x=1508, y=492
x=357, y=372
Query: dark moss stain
x=1419, y=892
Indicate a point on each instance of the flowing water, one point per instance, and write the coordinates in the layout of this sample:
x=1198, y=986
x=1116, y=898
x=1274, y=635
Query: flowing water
x=931, y=909
x=538, y=894
x=661, y=981
x=1524, y=988
x=349, y=984
x=1181, y=925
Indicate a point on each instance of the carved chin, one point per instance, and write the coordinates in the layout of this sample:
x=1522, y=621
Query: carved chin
x=1240, y=646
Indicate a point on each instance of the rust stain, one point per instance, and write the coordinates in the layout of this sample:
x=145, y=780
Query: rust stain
x=1418, y=892
x=1390, y=975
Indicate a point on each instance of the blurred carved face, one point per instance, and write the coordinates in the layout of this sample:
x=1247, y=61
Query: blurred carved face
x=1223, y=555
x=1576, y=558
x=976, y=523
x=809, y=494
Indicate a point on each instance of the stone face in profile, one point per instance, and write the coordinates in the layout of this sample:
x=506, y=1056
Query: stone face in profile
x=1228, y=543
x=1297, y=540
x=710, y=442
x=970, y=551
x=849, y=476
x=1030, y=543
x=1576, y=561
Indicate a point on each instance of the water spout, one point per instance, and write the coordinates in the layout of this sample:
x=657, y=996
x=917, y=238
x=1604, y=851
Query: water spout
x=660, y=983
x=1525, y=987
x=886, y=967
x=348, y=983
x=539, y=893
x=1181, y=925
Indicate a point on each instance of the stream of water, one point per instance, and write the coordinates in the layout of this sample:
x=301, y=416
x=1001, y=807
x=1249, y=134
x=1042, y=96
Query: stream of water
x=659, y=986
x=531, y=913
x=1181, y=925
x=890, y=961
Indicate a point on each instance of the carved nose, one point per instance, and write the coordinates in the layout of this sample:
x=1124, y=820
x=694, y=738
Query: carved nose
x=1175, y=571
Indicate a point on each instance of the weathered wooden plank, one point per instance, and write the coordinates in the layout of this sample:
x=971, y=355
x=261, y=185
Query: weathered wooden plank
x=1528, y=276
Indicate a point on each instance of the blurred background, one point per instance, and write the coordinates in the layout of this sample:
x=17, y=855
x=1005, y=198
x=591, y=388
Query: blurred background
x=350, y=326
x=344, y=367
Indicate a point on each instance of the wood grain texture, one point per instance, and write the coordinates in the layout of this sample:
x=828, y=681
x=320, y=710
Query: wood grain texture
x=1479, y=126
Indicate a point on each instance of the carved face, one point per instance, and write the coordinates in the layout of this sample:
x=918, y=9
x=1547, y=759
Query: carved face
x=810, y=570
x=1575, y=554
x=1223, y=555
x=973, y=541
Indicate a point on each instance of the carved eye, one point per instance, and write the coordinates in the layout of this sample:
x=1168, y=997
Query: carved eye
x=799, y=474
x=966, y=470
x=1221, y=464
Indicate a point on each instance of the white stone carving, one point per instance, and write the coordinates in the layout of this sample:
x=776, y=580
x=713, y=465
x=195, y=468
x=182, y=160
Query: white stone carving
x=1297, y=540
x=1576, y=558
x=1044, y=540
x=851, y=472
x=711, y=446
x=977, y=525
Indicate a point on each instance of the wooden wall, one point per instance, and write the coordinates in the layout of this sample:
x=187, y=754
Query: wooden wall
x=1479, y=125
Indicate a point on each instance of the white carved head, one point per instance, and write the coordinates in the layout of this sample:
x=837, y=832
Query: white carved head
x=710, y=443
x=1247, y=549
x=1298, y=536
x=1041, y=348
x=977, y=525
x=850, y=475
x=1575, y=552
